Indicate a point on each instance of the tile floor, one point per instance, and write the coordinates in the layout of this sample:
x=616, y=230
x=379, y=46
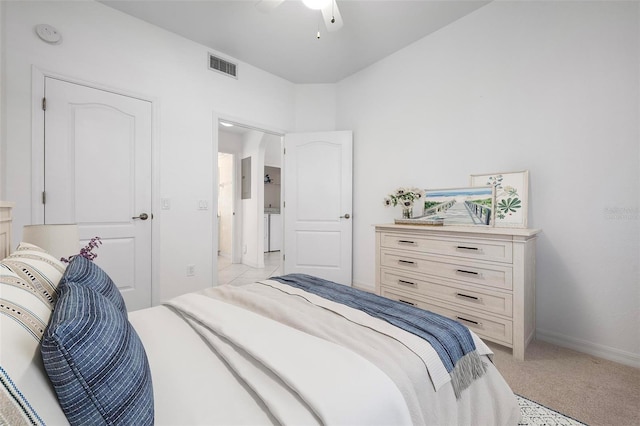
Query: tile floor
x=239, y=274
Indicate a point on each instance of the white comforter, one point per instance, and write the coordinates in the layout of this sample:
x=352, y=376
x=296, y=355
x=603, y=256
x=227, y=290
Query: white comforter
x=225, y=356
x=294, y=373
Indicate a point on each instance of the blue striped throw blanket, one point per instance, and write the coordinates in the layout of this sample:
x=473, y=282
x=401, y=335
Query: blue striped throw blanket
x=450, y=339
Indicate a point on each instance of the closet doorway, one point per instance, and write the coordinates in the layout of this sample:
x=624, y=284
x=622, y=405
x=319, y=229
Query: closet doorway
x=249, y=206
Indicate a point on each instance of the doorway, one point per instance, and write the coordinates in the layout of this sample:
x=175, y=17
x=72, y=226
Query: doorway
x=246, y=196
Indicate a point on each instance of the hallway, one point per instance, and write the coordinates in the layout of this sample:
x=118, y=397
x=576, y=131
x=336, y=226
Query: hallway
x=239, y=274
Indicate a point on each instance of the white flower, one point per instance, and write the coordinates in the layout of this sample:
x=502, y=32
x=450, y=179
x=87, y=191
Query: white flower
x=405, y=196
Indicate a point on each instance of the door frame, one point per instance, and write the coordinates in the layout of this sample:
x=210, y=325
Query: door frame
x=218, y=116
x=38, y=76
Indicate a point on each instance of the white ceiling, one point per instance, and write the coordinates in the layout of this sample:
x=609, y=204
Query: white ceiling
x=283, y=41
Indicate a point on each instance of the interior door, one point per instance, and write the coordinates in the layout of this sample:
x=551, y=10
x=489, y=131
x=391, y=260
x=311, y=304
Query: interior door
x=98, y=175
x=317, y=204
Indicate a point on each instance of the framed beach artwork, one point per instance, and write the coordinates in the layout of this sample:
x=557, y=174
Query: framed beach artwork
x=511, y=189
x=472, y=206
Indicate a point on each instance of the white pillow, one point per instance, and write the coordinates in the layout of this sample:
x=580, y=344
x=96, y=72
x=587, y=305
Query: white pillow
x=29, y=278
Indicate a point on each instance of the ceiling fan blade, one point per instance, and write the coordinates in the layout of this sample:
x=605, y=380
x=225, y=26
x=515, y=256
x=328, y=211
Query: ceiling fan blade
x=332, y=17
x=268, y=5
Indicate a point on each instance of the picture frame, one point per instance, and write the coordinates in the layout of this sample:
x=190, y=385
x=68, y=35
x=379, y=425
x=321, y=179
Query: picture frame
x=512, y=196
x=467, y=206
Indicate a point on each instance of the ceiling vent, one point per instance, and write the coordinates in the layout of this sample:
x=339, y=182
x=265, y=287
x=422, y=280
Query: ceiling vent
x=225, y=67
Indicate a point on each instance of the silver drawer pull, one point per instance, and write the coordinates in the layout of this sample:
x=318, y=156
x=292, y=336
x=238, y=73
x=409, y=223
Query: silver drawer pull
x=462, y=271
x=476, y=323
x=407, y=283
x=477, y=249
x=406, y=262
x=407, y=302
x=466, y=296
x=406, y=242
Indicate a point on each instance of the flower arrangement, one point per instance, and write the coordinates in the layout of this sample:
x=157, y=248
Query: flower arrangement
x=405, y=197
x=86, y=251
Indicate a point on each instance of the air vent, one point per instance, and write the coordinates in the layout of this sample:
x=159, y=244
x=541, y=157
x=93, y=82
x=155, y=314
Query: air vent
x=225, y=67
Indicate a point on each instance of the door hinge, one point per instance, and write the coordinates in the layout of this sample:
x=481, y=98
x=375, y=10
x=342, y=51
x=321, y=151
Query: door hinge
x=285, y=151
x=284, y=204
x=44, y=104
x=44, y=197
x=284, y=257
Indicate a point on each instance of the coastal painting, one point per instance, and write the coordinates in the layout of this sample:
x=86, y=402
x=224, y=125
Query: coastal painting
x=511, y=189
x=471, y=206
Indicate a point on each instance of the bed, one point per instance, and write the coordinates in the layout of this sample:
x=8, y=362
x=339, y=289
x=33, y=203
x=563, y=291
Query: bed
x=288, y=350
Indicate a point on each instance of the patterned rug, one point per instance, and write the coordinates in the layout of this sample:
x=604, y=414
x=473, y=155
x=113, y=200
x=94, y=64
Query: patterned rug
x=534, y=414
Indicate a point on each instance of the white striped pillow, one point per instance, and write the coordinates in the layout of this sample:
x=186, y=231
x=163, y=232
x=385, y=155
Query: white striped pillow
x=29, y=279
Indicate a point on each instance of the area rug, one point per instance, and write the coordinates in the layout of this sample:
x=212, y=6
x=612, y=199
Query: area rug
x=534, y=414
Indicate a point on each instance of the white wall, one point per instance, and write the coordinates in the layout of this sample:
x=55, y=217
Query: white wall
x=110, y=48
x=232, y=143
x=226, y=199
x=253, y=146
x=273, y=158
x=551, y=87
x=315, y=107
x=273, y=150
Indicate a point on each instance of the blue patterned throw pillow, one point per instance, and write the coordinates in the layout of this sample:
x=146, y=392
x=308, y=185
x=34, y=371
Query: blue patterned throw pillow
x=82, y=270
x=96, y=361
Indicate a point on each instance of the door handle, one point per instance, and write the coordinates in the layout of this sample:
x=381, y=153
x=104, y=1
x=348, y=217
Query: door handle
x=346, y=216
x=143, y=216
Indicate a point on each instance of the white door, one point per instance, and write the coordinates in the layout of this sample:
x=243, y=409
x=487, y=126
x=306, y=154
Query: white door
x=317, y=209
x=98, y=175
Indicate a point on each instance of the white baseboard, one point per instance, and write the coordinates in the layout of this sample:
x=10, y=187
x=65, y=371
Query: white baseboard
x=601, y=351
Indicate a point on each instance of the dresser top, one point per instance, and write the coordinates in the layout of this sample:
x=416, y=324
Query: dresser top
x=481, y=230
x=7, y=204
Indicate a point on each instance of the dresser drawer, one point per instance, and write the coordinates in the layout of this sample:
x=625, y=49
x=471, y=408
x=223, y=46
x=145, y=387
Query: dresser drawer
x=493, y=275
x=484, y=300
x=492, y=328
x=480, y=249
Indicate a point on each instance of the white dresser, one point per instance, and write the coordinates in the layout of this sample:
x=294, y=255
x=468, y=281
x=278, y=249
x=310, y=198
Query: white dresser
x=482, y=277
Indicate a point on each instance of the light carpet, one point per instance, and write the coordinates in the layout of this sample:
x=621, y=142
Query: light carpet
x=534, y=414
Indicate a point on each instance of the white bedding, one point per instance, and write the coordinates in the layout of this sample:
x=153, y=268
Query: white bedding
x=437, y=371
x=214, y=379
x=286, y=367
x=192, y=385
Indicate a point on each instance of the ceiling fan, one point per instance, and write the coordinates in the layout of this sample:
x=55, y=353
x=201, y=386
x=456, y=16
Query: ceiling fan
x=330, y=13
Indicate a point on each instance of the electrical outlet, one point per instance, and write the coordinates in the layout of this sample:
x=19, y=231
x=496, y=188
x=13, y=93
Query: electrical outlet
x=191, y=270
x=203, y=205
